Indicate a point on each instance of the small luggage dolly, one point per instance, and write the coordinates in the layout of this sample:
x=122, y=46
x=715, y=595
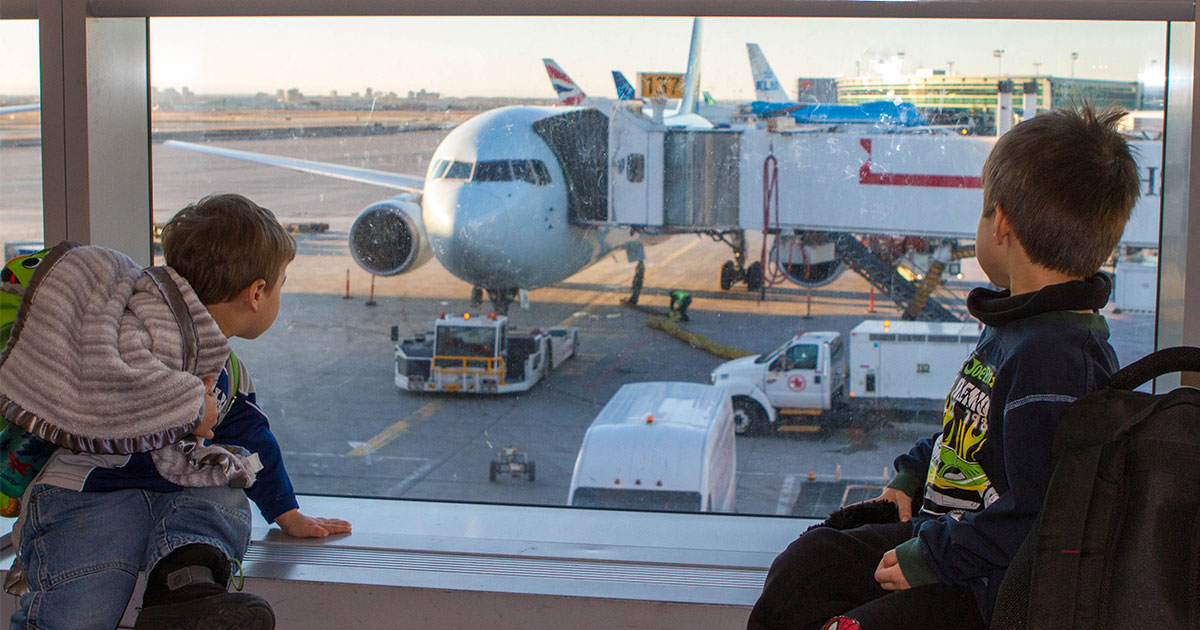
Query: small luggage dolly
x=510, y=461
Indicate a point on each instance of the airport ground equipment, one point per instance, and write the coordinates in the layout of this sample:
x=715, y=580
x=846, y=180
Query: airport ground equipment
x=889, y=367
x=479, y=355
x=659, y=446
x=509, y=461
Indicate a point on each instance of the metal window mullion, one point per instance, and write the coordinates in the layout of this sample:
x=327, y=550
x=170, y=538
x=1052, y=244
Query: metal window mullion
x=1155, y=10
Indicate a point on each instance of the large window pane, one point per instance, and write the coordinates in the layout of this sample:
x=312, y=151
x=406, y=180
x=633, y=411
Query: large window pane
x=20, y=137
x=546, y=200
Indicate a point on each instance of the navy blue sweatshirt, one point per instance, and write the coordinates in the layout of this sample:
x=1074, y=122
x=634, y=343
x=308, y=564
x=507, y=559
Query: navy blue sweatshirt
x=240, y=423
x=982, y=479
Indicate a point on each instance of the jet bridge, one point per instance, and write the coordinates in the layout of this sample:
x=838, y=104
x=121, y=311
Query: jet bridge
x=828, y=182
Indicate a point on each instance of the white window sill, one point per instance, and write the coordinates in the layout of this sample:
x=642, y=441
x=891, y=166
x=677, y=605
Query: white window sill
x=474, y=565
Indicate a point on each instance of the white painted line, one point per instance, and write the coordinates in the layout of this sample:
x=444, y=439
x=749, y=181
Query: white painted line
x=788, y=493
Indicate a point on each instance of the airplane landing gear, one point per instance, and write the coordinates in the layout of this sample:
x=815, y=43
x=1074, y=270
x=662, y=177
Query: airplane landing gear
x=735, y=271
x=501, y=299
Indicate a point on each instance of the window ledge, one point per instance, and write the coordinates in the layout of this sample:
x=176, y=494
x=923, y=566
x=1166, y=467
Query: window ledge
x=456, y=565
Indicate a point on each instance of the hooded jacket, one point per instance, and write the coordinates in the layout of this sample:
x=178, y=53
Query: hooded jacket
x=984, y=476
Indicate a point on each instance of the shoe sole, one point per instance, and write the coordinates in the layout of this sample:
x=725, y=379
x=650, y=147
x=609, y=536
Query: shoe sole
x=229, y=611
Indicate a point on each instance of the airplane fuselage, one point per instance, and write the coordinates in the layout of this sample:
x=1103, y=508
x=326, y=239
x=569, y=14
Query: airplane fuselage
x=495, y=205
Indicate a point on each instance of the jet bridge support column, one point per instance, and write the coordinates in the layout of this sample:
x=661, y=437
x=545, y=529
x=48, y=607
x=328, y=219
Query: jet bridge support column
x=933, y=276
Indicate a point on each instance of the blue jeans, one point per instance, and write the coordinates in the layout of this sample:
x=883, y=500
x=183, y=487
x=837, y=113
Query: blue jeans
x=82, y=550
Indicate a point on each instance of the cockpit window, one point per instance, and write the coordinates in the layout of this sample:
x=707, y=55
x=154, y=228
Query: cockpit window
x=493, y=171
x=523, y=172
x=459, y=170
x=439, y=169
x=543, y=175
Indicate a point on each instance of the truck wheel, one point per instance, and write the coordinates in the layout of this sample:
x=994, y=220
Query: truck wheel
x=493, y=470
x=728, y=275
x=749, y=418
x=532, y=472
x=754, y=276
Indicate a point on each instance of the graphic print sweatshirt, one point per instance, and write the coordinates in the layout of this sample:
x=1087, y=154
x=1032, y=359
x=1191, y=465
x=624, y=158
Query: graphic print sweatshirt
x=983, y=477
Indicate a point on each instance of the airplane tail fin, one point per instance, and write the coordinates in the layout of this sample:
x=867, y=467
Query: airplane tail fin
x=568, y=92
x=766, y=85
x=708, y=99
x=624, y=88
x=691, y=81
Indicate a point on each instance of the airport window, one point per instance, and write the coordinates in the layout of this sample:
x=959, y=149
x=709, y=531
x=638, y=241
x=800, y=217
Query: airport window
x=868, y=201
x=20, y=138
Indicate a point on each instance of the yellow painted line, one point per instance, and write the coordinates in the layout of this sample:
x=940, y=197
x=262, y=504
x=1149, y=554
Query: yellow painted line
x=394, y=431
x=600, y=295
x=801, y=412
x=800, y=428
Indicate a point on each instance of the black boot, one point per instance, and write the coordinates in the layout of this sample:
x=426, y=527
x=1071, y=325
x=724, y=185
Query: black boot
x=186, y=591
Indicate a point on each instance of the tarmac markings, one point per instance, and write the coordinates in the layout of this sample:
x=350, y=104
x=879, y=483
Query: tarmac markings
x=396, y=430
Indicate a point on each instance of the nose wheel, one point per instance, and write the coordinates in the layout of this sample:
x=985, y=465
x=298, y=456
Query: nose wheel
x=501, y=299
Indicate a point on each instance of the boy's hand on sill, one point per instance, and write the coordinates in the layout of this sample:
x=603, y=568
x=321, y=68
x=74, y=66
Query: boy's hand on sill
x=904, y=503
x=888, y=573
x=294, y=523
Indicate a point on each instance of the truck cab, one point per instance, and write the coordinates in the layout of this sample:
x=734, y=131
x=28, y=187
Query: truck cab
x=478, y=355
x=804, y=376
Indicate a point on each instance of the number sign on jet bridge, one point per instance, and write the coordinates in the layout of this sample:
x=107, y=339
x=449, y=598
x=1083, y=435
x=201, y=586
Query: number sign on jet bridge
x=900, y=183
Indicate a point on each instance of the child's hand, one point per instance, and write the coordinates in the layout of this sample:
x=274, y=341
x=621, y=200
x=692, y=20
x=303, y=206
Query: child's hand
x=888, y=573
x=293, y=523
x=209, y=419
x=904, y=503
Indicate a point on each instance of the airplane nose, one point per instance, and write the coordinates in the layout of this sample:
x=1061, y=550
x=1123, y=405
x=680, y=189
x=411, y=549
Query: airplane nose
x=475, y=233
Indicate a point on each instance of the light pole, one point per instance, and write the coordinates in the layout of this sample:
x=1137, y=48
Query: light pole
x=1074, y=56
x=998, y=54
x=1037, y=69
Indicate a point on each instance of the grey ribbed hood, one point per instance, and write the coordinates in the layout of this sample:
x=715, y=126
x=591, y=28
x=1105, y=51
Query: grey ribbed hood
x=108, y=357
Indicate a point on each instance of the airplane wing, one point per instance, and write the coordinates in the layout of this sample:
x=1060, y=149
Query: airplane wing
x=349, y=173
x=12, y=109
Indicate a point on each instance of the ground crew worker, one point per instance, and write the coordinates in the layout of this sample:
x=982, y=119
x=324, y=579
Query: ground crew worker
x=680, y=300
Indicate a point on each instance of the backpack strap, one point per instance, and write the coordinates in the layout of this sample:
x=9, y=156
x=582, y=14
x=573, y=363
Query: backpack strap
x=1156, y=364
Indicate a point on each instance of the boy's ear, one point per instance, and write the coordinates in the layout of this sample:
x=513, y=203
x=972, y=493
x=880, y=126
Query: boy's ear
x=1001, y=228
x=252, y=295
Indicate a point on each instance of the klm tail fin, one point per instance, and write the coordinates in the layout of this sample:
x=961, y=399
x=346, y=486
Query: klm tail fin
x=766, y=86
x=624, y=88
x=568, y=92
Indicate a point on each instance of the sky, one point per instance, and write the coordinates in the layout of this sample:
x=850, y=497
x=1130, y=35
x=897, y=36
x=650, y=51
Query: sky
x=501, y=56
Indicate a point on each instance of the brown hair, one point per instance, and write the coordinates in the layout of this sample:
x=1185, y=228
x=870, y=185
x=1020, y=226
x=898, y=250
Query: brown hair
x=223, y=243
x=1067, y=182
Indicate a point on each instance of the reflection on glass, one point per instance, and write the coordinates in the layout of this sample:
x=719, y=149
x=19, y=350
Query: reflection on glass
x=833, y=189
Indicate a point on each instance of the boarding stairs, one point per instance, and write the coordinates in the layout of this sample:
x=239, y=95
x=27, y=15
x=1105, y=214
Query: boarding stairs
x=920, y=301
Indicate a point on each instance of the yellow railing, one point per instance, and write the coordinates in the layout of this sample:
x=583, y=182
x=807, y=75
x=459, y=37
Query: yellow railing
x=485, y=365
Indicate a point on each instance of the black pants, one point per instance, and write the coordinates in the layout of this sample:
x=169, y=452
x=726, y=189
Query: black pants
x=828, y=573
x=681, y=306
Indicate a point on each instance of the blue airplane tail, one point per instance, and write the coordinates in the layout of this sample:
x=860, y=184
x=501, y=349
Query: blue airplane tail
x=624, y=88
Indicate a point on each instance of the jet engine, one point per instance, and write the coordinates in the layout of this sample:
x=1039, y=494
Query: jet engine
x=388, y=238
x=807, y=258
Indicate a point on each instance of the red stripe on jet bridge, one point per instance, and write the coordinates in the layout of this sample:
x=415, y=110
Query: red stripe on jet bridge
x=865, y=176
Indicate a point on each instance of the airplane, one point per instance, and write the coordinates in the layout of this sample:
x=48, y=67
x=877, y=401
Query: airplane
x=13, y=109
x=505, y=202
x=771, y=101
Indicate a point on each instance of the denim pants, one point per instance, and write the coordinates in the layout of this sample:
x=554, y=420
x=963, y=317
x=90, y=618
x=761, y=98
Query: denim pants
x=82, y=550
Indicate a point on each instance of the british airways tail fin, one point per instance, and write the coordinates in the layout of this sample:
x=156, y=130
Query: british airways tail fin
x=766, y=86
x=624, y=87
x=568, y=92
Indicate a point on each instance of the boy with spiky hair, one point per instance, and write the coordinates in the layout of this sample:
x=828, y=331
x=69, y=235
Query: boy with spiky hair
x=1058, y=190
x=99, y=512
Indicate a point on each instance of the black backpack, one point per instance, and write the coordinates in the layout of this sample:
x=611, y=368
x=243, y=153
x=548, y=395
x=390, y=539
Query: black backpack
x=1117, y=544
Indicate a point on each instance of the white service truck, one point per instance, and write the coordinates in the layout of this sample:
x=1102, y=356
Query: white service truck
x=893, y=365
x=659, y=446
x=479, y=355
